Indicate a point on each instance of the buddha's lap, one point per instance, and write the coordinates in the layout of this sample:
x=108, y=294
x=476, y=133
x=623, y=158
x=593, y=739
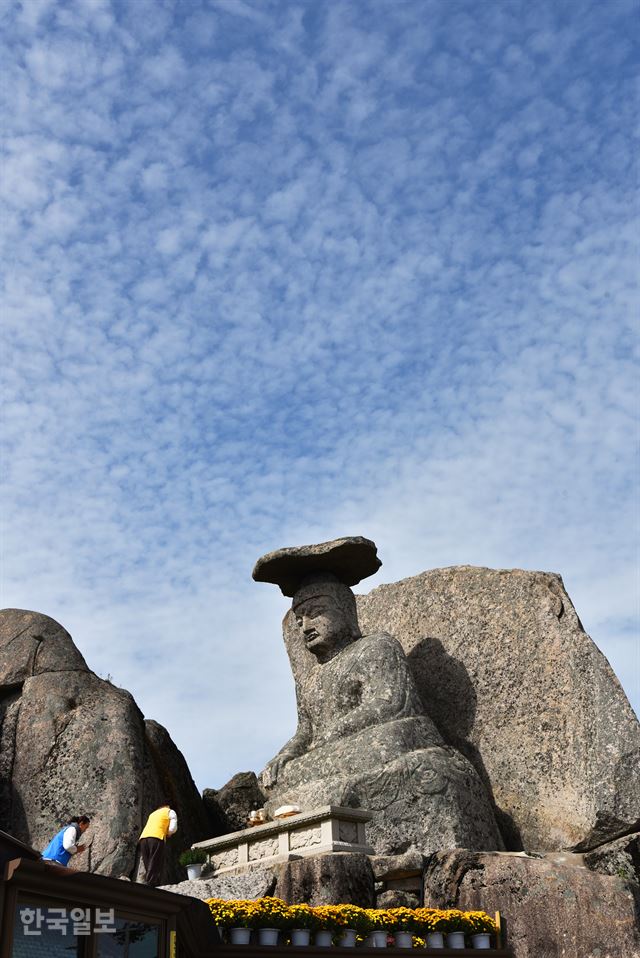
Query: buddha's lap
x=369, y=749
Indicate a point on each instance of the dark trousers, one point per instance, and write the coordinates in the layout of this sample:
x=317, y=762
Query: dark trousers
x=152, y=851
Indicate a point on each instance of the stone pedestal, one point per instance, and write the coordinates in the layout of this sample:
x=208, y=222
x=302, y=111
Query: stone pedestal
x=327, y=829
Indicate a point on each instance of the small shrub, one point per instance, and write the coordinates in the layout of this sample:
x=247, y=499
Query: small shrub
x=193, y=856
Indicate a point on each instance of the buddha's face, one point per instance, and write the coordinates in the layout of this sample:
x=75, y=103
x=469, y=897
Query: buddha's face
x=323, y=625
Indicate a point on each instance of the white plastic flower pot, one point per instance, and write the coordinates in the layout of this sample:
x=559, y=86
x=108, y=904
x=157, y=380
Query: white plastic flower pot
x=403, y=939
x=481, y=939
x=240, y=936
x=194, y=872
x=455, y=939
x=348, y=938
x=378, y=939
x=324, y=939
x=300, y=936
x=434, y=939
x=267, y=936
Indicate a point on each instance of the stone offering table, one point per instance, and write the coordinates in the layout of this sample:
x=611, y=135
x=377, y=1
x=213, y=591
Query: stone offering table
x=327, y=829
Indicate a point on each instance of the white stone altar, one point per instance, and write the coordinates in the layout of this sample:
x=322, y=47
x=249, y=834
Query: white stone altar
x=327, y=829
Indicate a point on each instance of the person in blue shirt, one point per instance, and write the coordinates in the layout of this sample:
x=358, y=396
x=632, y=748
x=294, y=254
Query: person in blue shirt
x=65, y=844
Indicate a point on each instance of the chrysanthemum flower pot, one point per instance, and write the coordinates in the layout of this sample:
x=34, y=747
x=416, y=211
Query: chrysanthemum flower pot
x=348, y=938
x=267, y=936
x=377, y=938
x=481, y=939
x=455, y=939
x=300, y=936
x=403, y=939
x=240, y=936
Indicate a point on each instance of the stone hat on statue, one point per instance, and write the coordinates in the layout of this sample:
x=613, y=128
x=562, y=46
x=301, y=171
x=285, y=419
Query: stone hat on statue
x=349, y=560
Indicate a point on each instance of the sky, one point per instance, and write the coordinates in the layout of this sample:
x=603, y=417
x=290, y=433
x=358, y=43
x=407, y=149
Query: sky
x=279, y=272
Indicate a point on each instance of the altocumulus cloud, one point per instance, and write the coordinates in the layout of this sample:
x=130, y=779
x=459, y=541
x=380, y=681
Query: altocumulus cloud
x=277, y=272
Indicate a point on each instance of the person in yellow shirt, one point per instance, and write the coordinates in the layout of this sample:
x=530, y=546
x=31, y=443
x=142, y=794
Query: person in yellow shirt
x=161, y=824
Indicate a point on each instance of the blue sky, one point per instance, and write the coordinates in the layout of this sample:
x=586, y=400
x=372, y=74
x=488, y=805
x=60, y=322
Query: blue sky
x=277, y=272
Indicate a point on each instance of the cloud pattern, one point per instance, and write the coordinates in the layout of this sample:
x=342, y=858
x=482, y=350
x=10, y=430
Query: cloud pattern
x=277, y=272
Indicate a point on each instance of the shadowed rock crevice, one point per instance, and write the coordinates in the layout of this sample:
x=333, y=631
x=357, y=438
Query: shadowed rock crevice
x=607, y=828
x=39, y=640
x=174, y=783
x=620, y=857
x=445, y=688
x=9, y=714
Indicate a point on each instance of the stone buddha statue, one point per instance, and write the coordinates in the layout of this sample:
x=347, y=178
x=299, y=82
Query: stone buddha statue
x=363, y=739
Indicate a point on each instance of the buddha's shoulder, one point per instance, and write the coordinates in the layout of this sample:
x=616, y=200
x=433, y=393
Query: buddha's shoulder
x=379, y=643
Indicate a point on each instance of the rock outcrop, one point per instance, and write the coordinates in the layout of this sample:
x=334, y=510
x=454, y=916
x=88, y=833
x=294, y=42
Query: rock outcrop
x=71, y=742
x=551, y=910
x=512, y=681
x=230, y=805
x=256, y=882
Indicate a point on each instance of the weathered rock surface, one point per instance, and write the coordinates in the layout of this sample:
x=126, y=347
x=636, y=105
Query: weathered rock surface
x=230, y=805
x=256, y=882
x=327, y=879
x=551, y=911
x=621, y=858
x=512, y=681
x=387, y=867
x=73, y=743
x=316, y=880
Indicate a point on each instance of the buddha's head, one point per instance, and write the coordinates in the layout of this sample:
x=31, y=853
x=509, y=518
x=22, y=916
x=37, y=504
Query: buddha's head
x=325, y=612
